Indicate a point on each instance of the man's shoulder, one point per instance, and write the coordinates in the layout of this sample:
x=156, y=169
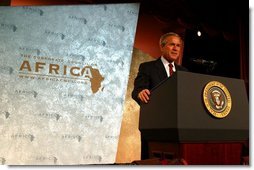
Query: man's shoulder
x=150, y=63
x=182, y=68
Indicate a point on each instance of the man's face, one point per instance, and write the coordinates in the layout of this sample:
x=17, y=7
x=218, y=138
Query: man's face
x=171, y=50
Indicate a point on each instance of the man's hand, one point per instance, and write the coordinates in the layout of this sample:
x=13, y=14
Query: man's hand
x=144, y=95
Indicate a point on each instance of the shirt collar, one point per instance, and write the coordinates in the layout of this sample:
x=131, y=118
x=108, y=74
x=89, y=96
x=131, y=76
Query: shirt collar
x=165, y=62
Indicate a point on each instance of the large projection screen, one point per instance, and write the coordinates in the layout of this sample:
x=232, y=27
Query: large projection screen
x=63, y=79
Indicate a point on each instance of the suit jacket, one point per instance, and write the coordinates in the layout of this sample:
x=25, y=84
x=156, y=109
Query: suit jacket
x=149, y=75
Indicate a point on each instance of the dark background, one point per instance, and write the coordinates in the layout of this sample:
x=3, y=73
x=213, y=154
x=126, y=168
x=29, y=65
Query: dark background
x=223, y=48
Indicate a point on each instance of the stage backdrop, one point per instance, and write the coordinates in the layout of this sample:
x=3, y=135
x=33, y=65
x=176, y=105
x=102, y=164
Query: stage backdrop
x=63, y=79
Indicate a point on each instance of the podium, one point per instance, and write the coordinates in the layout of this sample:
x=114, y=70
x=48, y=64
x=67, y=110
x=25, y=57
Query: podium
x=177, y=122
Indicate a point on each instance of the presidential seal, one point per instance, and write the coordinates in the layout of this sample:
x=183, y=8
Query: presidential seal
x=217, y=99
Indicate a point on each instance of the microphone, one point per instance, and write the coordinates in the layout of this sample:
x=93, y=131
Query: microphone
x=203, y=62
x=208, y=64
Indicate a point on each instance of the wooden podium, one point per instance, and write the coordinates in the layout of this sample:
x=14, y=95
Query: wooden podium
x=177, y=124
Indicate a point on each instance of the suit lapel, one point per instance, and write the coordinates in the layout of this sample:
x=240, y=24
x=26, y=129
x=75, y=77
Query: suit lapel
x=162, y=74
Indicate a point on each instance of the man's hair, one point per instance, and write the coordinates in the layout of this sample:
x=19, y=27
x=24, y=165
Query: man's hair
x=163, y=37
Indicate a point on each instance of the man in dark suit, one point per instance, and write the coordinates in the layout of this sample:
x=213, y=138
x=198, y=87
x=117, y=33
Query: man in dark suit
x=152, y=73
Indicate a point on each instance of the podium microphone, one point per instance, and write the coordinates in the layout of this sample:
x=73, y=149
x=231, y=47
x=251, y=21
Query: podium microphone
x=203, y=62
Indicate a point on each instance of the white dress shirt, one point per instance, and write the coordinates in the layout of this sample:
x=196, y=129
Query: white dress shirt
x=166, y=63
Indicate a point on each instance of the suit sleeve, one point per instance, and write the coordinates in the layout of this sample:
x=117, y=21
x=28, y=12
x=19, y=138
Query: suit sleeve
x=141, y=82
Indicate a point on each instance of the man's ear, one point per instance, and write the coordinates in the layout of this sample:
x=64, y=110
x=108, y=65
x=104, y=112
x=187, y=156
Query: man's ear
x=161, y=48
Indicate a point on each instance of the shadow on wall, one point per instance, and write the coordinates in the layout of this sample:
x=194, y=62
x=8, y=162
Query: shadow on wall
x=129, y=140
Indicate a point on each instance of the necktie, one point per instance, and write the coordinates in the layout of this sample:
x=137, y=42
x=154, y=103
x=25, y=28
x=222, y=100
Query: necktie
x=170, y=69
